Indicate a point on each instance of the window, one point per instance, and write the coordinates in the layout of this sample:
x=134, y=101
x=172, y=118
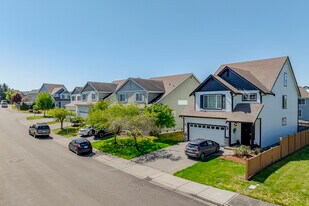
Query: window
x=139, y=97
x=284, y=101
x=302, y=101
x=73, y=98
x=78, y=98
x=84, y=96
x=213, y=101
x=249, y=97
x=63, y=96
x=284, y=121
x=299, y=112
x=285, y=80
x=122, y=97
x=209, y=143
x=93, y=96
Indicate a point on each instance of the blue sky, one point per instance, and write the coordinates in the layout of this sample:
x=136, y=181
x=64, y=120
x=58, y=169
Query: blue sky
x=75, y=41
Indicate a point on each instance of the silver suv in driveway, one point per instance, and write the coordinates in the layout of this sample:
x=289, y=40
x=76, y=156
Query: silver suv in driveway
x=199, y=148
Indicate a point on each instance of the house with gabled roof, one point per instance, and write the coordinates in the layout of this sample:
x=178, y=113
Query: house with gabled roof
x=252, y=103
x=59, y=93
x=172, y=90
x=84, y=97
x=303, y=110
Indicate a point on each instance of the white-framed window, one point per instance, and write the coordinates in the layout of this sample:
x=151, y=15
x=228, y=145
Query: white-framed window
x=285, y=79
x=302, y=101
x=214, y=101
x=93, y=97
x=139, y=97
x=249, y=97
x=284, y=101
x=63, y=96
x=73, y=98
x=122, y=97
x=78, y=98
x=300, y=112
x=284, y=121
x=84, y=97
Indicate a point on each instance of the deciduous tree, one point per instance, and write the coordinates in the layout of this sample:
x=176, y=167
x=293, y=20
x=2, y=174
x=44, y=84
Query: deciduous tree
x=60, y=114
x=44, y=102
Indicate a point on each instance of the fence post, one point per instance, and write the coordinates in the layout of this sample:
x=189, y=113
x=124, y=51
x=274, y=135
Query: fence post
x=247, y=170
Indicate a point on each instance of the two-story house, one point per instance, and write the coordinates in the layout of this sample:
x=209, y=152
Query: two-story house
x=171, y=90
x=89, y=94
x=303, y=110
x=59, y=92
x=251, y=103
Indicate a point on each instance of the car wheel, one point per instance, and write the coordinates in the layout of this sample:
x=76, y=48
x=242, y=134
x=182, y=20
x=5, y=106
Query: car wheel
x=202, y=156
x=217, y=149
x=101, y=134
x=76, y=152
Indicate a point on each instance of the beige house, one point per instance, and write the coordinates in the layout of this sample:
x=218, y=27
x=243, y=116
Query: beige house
x=171, y=90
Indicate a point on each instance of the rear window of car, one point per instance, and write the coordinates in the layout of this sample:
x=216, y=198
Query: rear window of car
x=43, y=127
x=84, y=144
x=192, y=145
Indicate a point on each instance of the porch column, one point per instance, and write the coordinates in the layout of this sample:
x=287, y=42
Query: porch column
x=252, y=135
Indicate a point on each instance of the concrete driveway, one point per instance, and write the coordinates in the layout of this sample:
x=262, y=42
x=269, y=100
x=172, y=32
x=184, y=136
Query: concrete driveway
x=172, y=159
x=169, y=160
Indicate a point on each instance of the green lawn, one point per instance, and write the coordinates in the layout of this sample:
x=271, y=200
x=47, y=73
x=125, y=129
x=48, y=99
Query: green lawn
x=175, y=136
x=53, y=122
x=37, y=117
x=125, y=146
x=67, y=131
x=286, y=182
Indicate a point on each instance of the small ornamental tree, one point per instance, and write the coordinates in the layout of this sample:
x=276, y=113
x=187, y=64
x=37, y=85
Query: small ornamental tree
x=8, y=95
x=16, y=98
x=60, y=114
x=44, y=102
x=164, y=117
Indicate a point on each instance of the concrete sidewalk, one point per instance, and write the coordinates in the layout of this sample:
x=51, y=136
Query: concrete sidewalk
x=168, y=181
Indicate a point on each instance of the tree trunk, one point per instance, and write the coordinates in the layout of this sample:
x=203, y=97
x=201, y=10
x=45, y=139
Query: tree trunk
x=135, y=143
x=61, y=123
x=44, y=112
x=115, y=139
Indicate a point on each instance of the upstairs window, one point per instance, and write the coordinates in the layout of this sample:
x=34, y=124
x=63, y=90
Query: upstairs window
x=299, y=112
x=284, y=101
x=139, y=97
x=93, y=97
x=73, y=98
x=284, y=121
x=78, y=98
x=249, y=97
x=122, y=97
x=301, y=101
x=285, y=80
x=84, y=96
x=213, y=101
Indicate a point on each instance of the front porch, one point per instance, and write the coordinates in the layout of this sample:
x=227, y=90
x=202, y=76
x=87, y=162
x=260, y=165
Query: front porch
x=244, y=133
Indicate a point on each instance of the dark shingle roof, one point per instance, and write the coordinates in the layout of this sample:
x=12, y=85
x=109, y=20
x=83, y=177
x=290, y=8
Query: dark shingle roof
x=103, y=87
x=150, y=85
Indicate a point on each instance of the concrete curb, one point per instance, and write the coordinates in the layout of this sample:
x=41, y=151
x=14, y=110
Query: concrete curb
x=185, y=187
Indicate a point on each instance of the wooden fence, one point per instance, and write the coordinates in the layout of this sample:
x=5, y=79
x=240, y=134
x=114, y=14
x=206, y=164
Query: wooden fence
x=288, y=145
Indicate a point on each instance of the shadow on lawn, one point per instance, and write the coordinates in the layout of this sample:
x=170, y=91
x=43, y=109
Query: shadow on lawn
x=302, y=154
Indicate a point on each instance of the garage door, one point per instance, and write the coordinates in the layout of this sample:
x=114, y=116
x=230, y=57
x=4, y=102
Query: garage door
x=209, y=132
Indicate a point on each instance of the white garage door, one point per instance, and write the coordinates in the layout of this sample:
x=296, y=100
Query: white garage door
x=209, y=132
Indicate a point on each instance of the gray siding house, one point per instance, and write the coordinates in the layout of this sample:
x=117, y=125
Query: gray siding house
x=171, y=90
x=303, y=109
x=59, y=93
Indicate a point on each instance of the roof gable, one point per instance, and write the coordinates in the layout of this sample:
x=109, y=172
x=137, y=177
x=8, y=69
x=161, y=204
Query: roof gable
x=50, y=87
x=262, y=73
x=100, y=87
x=211, y=84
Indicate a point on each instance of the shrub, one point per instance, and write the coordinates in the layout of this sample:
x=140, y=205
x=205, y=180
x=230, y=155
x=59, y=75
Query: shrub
x=242, y=151
x=24, y=106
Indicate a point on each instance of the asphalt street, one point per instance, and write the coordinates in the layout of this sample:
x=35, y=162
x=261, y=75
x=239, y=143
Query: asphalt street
x=41, y=172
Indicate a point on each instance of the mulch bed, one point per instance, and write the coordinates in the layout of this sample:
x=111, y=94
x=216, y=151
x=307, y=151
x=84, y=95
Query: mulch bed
x=233, y=158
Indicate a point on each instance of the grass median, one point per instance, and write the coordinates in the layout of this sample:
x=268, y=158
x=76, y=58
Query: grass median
x=67, y=131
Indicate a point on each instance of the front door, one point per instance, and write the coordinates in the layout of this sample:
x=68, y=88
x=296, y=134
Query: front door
x=246, y=133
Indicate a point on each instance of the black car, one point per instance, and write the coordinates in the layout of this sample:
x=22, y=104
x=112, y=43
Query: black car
x=39, y=129
x=80, y=146
x=101, y=133
x=199, y=148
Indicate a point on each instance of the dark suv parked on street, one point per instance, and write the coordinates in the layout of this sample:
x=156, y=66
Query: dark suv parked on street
x=39, y=129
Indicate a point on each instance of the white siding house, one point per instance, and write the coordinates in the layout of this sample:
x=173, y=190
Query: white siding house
x=252, y=103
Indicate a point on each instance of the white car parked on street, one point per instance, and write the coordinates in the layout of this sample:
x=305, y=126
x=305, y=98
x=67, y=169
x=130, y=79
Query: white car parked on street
x=87, y=131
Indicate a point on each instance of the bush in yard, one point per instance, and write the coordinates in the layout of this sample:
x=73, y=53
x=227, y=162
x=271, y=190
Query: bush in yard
x=163, y=115
x=16, y=98
x=44, y=102
x=242, y=151
x=60, y=114
x=24, y=106
x=76, y=120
